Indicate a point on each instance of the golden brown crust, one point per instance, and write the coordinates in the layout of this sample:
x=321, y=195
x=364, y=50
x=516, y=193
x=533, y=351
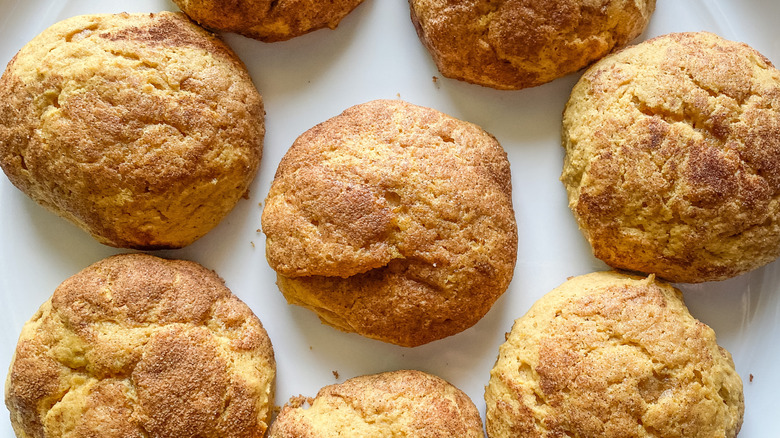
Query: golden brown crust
x=671, y=158
x=612, y=355
x=144, y=129
x=514, y=44
x=393, y=221
x=135, y=345
x=268, y=20
x=401, y=403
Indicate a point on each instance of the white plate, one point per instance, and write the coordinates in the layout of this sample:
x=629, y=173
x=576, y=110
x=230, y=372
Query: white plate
x=375, y=54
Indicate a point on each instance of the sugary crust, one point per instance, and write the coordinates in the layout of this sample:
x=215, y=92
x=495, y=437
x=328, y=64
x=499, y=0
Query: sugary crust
x=400, y=403
x=611, y=355
x=393, y=221
x=144, y=129
x=672, y=152
x=135, y=345
x=268, y=20
x=514, y=44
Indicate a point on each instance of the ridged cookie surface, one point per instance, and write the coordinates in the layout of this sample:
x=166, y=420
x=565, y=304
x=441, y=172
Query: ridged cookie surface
x=514, y=44
x=393, y=221
x=135, y=345
x=403, y=403
x=143, y=129
x=612, y=355
x=268, y=20
x=672, y=152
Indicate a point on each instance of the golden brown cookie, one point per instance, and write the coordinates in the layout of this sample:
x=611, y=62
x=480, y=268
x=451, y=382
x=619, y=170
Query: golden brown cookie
x=612, y=355
x=135, y=345
x=671, y=158
x=144, y=130
x=268, y=20
x=403, y=403
x=514, y=44
x=393, y=221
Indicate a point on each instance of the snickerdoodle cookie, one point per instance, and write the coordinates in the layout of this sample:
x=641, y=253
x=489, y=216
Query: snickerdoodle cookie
x=144, y=129
x=514, y=44
x=612, y=355
x=394, y=221
x=135, y=345
x=672, y=152
x=403, y=403
x=268, y=20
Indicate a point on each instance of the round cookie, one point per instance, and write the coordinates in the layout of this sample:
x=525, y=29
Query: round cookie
x=144, y=129
x=671, y=158
x=514, y=44
x=612, y=355
x=135, y=345
x=404, y=403
x=393, y=221
x=268, y=20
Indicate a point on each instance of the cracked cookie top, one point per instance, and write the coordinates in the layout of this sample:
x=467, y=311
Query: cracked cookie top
x=135, y=345
x=143, y=129
x=612, y=355
x=514, y=44
x=268, y=20
x=394, y=221
x=402, y=403
x=672, y=158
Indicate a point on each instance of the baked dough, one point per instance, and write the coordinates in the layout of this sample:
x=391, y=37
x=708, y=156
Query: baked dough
x=135, y=345
x=394, y=221
x=514, y=44
x=143, y=129
x=403, y=403
x=268, y=20
x=672, y=152
x=612, y=355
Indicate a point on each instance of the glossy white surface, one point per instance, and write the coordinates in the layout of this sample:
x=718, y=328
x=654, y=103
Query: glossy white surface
x=375, y=54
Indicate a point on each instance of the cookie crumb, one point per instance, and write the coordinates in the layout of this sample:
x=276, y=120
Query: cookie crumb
x=336, y=374
x=751, y=378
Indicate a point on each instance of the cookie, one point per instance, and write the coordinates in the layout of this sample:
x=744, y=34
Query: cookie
x=268, y=20
x=613, y=355
x=135, y=345
x=400, y=403
x=144, y=130
x=514, y=44
x=393, y=221
x=671, y=158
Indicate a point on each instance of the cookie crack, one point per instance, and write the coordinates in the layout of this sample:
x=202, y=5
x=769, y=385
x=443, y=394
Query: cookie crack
x=124, y=54
x=699, y=125
x=671, y=118
x=741, y=100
